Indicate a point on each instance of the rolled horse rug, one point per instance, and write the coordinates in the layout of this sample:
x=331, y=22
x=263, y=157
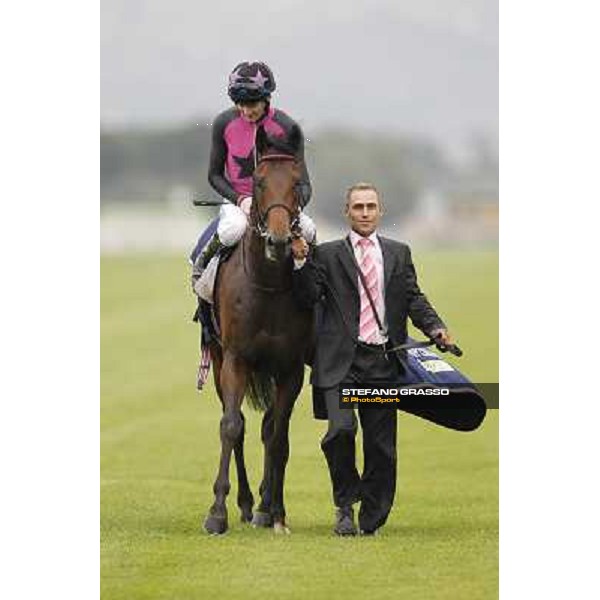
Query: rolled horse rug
x=461, y=406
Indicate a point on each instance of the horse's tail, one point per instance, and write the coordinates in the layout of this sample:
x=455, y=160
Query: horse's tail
x=260, y=391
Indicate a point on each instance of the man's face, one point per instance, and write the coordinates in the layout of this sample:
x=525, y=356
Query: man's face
x=252, y=111
x=364, y=211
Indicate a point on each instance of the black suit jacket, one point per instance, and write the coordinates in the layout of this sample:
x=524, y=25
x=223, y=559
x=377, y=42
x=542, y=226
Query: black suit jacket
x=329, y=281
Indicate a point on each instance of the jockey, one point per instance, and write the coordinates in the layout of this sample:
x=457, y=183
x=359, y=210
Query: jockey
x=233, y=158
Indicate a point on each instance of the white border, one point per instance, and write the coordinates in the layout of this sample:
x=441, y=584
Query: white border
x=50, y=301
x=548, y=187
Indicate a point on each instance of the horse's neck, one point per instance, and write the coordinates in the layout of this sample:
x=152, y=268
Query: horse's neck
x=263, y=272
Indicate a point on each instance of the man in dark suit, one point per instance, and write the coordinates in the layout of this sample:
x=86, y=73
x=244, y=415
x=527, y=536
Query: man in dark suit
x=353, y=331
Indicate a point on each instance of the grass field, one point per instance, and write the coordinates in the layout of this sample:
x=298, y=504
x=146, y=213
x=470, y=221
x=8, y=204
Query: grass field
x=160, y=449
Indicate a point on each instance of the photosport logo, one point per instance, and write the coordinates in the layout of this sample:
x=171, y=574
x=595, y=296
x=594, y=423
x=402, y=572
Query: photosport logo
x=386, y=395
x=425, y=395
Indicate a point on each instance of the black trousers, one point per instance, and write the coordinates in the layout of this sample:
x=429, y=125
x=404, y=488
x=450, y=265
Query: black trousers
x=376, y=487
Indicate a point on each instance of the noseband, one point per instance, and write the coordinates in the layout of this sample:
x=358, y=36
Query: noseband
x=294, y=215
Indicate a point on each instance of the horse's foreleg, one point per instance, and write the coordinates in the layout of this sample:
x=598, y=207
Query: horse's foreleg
x=262, y=516
x=288, y=389
x=245, y=498
x=232, y=387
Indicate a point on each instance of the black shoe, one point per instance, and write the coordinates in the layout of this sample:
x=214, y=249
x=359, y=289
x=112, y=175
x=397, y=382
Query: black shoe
x=344, y=521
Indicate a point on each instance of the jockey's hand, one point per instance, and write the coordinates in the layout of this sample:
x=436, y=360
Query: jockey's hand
x=245, y=204
x=299, y=248
x=441, y=337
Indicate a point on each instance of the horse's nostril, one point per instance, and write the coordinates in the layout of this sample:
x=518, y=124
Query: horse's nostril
x=279, y=241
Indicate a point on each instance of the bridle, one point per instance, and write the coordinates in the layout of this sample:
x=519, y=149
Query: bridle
x=260, y=220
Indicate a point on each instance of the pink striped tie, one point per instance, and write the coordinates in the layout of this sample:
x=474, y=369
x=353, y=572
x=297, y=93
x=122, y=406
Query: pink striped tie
x=368, y=328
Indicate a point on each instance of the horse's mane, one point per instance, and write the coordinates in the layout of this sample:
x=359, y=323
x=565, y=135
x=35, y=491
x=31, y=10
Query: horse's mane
x=272, y=144
x=279, y=145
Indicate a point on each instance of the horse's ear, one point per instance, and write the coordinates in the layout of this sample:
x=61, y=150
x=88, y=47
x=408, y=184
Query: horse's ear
x=295, y=138
x=262, y=140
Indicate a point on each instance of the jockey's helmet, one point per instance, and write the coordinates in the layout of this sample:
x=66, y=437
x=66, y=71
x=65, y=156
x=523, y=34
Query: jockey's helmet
x=251, y=81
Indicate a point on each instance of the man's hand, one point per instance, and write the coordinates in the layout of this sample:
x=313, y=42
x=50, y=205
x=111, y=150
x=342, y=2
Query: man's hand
x=299, y=248
x=442, y=337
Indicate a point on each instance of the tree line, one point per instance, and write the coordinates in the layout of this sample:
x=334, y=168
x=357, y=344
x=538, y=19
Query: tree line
x=144, y=165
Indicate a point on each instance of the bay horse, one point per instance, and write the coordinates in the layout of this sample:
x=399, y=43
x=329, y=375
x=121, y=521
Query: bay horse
x=265, y=336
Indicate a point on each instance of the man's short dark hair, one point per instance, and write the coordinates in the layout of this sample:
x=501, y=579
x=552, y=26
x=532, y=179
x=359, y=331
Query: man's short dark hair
x=362, y=185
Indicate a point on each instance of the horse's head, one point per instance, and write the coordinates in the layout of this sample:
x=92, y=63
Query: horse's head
x=276, y=203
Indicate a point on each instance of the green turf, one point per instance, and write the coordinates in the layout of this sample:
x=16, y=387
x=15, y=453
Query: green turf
x=160, y=449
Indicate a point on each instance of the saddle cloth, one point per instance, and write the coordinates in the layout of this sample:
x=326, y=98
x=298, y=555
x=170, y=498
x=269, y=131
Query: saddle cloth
x=205, y=286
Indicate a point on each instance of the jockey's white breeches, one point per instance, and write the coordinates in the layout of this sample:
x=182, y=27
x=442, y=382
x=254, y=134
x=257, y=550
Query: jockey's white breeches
x=233, y=222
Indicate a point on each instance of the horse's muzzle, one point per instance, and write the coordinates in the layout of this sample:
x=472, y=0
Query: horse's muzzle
x=277, y=248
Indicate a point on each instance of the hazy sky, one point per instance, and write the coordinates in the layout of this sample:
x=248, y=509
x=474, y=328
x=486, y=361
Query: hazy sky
x=421, y=66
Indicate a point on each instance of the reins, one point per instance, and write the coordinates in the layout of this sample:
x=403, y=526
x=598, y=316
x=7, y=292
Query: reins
x=258, y=222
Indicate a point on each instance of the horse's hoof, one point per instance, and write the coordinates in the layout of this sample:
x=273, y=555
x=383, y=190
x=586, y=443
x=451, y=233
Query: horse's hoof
x=262, y=519
x=246, y=516
x=215, y=525
x=281, y=529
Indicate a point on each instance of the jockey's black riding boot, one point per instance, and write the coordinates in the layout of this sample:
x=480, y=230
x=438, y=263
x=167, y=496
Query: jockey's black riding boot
x=210, y=250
